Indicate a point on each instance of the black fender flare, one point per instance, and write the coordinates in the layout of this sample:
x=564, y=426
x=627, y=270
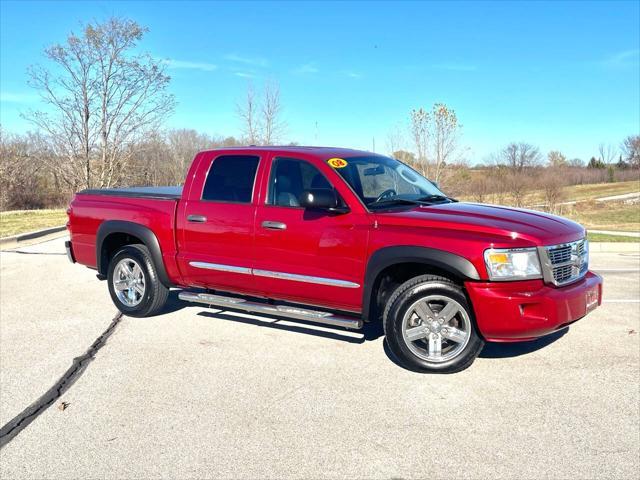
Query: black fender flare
x=145, y=234
x=454, y=264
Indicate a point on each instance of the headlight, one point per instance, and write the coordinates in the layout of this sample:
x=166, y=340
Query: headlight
x=512, y=263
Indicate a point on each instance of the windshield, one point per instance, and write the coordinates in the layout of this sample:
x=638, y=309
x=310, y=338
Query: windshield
x=382, y=181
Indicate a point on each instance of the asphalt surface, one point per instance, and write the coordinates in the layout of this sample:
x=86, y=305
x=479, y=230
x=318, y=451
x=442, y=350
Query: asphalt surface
x=199, y=393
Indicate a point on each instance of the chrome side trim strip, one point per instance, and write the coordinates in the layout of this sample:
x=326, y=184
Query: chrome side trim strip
x=306, y=279
x=332, y=282
x=221, y=268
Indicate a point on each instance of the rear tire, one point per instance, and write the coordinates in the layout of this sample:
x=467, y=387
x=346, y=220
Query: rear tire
x=134, y=284
x=430, y=327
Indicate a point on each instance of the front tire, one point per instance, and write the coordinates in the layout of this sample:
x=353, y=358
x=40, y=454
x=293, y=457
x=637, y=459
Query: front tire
x=134, y=284
x=430, y=327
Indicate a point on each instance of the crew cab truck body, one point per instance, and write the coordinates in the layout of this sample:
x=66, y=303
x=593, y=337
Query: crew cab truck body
x=339, y=237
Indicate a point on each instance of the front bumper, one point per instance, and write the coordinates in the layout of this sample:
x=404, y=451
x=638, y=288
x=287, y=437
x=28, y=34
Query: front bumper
x=517, y=311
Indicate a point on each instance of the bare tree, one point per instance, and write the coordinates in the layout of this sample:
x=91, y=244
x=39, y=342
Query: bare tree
x=395, y=140
x=519, y=156
x=607, y=153
x=445, y=137
x=631, y=150
x=576, y=163
x=435, y=136
x=420, y=132
x=499, y=186
x=273, y=127
x=261, y=115
x=517, y=184
x=478, y=188
x=405, y=157
x=102, y=98
x=556, y=159
x=26, y=182
x=551, y=184
x=182, y=145
x=248, y=113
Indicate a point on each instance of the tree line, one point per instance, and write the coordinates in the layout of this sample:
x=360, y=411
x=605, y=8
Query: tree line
x=106, y=104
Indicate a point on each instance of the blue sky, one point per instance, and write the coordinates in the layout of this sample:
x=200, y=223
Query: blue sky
x=559, y=75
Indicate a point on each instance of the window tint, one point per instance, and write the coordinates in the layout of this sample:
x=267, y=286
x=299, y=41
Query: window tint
x=289, y=178
x=231, y=178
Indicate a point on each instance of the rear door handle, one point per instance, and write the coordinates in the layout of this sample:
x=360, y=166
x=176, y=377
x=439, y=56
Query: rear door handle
x=274, y=225
x=196, y=218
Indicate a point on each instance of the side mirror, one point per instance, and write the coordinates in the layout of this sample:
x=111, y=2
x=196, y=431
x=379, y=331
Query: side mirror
x=322, y=199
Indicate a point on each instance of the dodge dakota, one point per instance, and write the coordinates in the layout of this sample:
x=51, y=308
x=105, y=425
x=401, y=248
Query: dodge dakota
x=338, y=237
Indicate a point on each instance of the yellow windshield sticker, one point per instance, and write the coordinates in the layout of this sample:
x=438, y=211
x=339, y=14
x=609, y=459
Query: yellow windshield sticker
x=337, y=162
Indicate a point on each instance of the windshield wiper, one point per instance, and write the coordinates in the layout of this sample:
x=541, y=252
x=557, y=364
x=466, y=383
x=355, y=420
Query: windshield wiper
x=430, y=198
x=394, y=201
x=427, y=200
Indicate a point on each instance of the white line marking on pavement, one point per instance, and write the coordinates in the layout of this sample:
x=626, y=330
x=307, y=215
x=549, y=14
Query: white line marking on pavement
x=621, y=301
x=607, y=270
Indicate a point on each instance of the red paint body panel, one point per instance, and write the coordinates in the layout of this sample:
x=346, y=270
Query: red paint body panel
x=516, y=311
x=468, y=229
x=226, y=238
x=314, y=244
x=89, y=211
x=337, y=246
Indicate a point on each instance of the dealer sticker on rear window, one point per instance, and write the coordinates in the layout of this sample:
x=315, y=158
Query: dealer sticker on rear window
x=337, y=162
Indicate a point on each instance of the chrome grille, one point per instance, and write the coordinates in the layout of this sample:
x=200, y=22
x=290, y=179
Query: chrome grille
x=565, y=263
x=562, y=253
x=562, y=274
x=559, y=255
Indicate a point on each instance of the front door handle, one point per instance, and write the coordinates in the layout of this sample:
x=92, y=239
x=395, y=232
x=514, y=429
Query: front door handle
x=196, y=218
x=274, y=225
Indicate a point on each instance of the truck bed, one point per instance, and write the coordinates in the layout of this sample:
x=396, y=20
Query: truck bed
x=159, y=193
x=153, y=208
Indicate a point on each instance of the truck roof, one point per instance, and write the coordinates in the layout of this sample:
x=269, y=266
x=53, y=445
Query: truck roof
x=320, y=151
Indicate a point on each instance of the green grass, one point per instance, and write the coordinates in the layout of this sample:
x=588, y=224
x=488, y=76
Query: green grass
x=606, y=216
x=23, y=221
x=601, y=237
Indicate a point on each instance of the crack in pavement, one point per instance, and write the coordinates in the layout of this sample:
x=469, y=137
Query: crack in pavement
x=14, y=426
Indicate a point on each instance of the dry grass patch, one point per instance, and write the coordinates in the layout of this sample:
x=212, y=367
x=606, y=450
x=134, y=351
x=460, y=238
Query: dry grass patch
x=619, y=216
x=22, y=221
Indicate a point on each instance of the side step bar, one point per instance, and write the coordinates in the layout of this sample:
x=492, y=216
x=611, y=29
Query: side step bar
x=316, y=316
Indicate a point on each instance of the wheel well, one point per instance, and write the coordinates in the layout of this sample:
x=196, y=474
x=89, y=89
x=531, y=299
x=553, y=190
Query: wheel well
x=395, y=275
x=111, y=244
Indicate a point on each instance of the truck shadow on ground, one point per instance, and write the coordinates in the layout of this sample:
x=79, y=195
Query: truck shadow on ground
x=173, y=303
x=497, y=350
x=505, y=350
x=307, y=328
x=372, y=331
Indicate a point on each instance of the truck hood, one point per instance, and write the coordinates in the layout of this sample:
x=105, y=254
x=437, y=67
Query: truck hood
x=504, y=224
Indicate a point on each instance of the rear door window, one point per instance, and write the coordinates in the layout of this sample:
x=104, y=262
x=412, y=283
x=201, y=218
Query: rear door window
x=231, y=179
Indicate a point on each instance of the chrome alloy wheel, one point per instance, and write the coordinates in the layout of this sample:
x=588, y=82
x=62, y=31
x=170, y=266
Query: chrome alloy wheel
x=436, y=328
x=129, y=282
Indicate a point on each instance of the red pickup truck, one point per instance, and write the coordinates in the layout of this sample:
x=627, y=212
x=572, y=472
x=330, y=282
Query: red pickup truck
x=338, y=237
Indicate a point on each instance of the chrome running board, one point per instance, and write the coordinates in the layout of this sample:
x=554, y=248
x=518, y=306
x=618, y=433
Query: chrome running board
x=297, y=313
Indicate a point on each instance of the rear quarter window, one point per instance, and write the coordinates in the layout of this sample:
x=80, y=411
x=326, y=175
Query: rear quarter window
x=231, y=179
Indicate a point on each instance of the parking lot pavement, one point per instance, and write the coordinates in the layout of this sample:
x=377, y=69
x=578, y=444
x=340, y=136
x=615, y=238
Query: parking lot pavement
x=199, y=393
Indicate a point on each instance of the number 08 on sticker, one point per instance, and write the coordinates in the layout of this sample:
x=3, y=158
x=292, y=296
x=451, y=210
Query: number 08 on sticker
x=337, y=162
